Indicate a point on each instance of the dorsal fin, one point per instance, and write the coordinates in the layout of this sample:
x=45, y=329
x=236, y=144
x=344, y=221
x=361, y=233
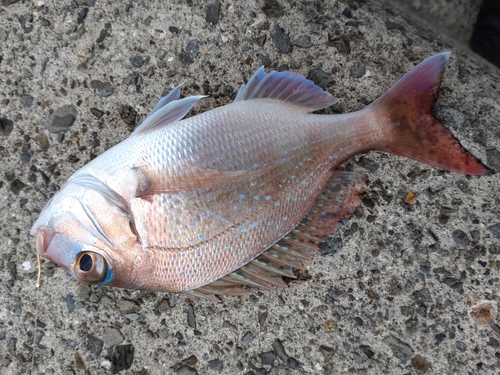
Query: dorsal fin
x=169, y=109
x=287, y=87
x=333, y=207
x=170, y=97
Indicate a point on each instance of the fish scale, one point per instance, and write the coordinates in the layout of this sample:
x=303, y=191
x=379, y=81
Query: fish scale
x=240, y=195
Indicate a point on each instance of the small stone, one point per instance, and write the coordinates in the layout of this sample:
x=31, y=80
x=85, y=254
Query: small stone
x=84, y=292
x=400, y=349
x=394, y=26
x=185, y=59
x=341, y=43
x=494, y=249
x=319, y=77
x=27, y=73
x=191, y=321
x=79, y=364
x=368, y=351
x=62, y=119
x=461, y=346
x=94, y=345
x=122, y=358
x=460, y=238
x=16, y=186
x=138, y=61
x=216, y=364
x=419, y=363
x=96, y=112
x=281, y=40
x=358, y=71
x=264, y=60
x=104, y=33
x=293, y=363
x=104, y=89
x=127, y=306
x=247, y=337
x=112, y=337
x=303, y=41
x=483, y=312
x=267, y=358
x=279, y=349
x=82, y=15
x=212, y=15
x=327, y=352
x=173, y=29
x=187, y=370
x=495, y=230
x=163, y=305
x=493, y=158
x=70, y=302
x=6, y=127
x=272, y=9
x=26, y=100
x=193, y=48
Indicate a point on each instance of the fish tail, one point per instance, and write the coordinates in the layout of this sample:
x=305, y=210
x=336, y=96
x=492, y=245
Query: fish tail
x=410, y=128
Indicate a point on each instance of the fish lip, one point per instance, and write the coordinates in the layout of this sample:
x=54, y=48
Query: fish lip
x=43, y=238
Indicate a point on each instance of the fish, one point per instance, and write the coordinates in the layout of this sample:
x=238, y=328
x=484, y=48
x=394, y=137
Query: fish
x=241, y=195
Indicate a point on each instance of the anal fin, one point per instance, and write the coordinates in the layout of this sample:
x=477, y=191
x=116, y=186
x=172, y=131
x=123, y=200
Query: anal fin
x=335, y=204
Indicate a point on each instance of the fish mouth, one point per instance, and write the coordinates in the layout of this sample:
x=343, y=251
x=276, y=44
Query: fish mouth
x=56, y=247
x=44, y=237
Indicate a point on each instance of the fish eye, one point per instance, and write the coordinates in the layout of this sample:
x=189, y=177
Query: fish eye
x=90, y=267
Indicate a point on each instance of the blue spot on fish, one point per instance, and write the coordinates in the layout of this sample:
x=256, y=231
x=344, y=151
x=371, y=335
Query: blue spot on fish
x=198, y=254
x=216, y=244
x=293, y=177
x=219, y=217
x=277, y=204
x=285, y=218
x=183, y=273
x=268, y=197
x=241, y=229
x=288, y=198
x=240, y=251
x=254, y=224
x=268, y=223
x=183, y=255
x=256, y=197
x=227, y=246
x=242, y=196
x=200, y=236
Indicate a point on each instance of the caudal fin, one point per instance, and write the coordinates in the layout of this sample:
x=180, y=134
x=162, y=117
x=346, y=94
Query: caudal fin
x=412, y=130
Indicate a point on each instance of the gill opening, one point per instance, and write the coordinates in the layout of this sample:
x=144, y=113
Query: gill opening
x=90, y=182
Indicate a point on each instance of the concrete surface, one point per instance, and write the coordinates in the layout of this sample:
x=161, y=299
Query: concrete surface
x=404, y=288
x=453, y=19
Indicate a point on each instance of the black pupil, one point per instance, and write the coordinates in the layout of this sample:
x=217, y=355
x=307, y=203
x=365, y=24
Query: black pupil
x=86, y=263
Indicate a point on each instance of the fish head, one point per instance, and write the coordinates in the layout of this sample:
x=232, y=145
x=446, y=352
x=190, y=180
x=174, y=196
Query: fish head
x=80, y=230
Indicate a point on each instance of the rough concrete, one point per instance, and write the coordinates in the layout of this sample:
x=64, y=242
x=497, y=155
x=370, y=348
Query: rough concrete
x=404, y=288
x=454, y=19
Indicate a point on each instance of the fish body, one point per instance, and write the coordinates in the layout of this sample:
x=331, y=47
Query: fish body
x=181, y=204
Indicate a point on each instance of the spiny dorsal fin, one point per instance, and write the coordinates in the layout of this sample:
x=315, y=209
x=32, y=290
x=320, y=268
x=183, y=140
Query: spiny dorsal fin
x=333, y=207
x=169, y=109
x=288, y=87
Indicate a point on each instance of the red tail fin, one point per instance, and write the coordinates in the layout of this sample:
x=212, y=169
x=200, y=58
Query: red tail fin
x=412, y=129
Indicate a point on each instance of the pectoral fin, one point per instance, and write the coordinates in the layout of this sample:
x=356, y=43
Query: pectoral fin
x=188, y=178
